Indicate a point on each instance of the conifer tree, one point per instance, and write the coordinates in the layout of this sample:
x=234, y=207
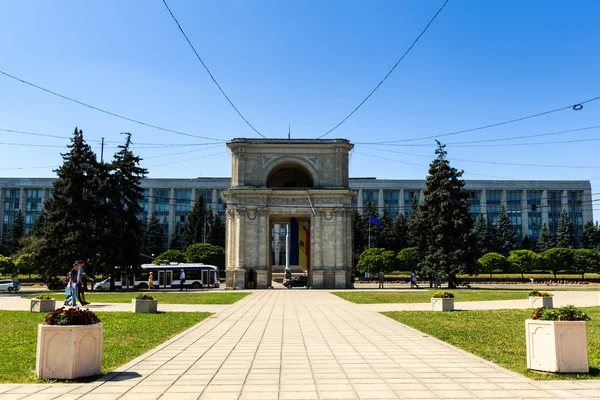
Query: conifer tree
x=504, y=233
x=564, y=231
x=176, y=241
x=481, y=231
x=153, y=236
x=370, y=210
x=398, y=238
x=526, y=245
x=359, y=225
x=412, y=222
x=37, y=229
x=590, y=235
x=72, y=210
x=17, y=231
x=193, y=230
x=217, y=233
x=545, y=240
x=446, y=239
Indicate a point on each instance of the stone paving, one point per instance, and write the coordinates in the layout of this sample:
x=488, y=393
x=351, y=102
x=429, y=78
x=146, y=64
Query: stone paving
x=301, y=344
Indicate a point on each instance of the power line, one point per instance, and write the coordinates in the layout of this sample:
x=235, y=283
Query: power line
x=460, y=144
x=189, y=159
x=105, y=111
x=209, y=73
x=181, y=152
x=491, y=125
x=491, y=162
x=388, y=74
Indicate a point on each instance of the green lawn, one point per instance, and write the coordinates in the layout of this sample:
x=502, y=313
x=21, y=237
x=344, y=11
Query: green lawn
x=424, y=296
x=162, y=297
x=126, y=336
x=497, y=336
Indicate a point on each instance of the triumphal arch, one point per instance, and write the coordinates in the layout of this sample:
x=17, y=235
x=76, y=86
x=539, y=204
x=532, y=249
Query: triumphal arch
x=299, y=182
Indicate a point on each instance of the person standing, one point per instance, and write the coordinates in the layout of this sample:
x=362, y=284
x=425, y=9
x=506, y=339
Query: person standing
x=182, y=279
x=151, y=281
x=413, y=281
x=82, y=279
x=381, y=278
x=72, y=283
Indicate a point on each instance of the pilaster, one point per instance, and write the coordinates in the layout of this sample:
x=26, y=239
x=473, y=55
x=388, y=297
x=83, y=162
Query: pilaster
x=359, y=201
x=172, y=205
x=483, y=203
x=588, y=214
x=214, y=205
x=339, y=238
x=545, y=207
x=524, y=214
x=401, y=202
x=150, y=202
x=564, y=201
x=317, y=279
x=23, y=200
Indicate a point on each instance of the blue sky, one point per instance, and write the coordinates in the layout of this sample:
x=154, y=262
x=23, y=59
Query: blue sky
x=306, y=64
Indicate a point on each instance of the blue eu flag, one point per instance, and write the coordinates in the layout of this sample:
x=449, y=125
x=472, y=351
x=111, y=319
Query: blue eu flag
x=374, y=221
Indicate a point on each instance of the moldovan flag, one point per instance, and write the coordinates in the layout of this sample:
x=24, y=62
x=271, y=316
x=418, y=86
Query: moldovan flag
x=304, y=247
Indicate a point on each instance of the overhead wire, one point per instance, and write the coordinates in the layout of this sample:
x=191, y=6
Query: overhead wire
x=487, y=126
x=388, y=74
x=106, y=111
x=208, y=70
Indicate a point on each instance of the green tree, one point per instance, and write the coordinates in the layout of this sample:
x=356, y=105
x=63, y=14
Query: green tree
x=482, y=236
x=523, y=261
x=176, y=242
x=445, y=230
x=557, y=260
x=375, y=231
x=72, y=211
x=17, y=231
x=398, y=236
x=39, y=225
x=359, y=225
x=195, y=226
x=591, y=235
x=7, y=266
x=490, y=262
x=170, y=255
x=586, y=260
x=564, y=231
x=206, y=253
x=408, y=259
x=217, y=232
x=376, y=259
x=526, y=245
x=153, y=236
x=504, y=233
x=413, y=222
x=26, y=264
x=545, y=240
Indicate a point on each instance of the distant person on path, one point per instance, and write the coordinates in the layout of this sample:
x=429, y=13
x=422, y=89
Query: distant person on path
x=15, y=281
x=68, y=292
x=413, y=281
x=72, y=283
x=381, y=277
x=151, y=281
x=82, y=283
x=182, y=279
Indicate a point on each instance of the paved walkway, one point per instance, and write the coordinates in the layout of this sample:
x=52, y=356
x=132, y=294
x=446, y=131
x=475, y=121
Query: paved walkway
x=301, y=344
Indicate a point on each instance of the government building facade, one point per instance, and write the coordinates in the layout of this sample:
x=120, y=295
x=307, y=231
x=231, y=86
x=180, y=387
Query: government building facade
x=276, y=180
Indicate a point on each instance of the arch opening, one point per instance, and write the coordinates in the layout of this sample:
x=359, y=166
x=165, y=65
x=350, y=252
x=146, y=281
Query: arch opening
x=290, y=175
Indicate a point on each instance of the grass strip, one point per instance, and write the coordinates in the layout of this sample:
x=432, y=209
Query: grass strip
x=497, y=336
x=162, y=297
x=126, y=336
x=424, y=296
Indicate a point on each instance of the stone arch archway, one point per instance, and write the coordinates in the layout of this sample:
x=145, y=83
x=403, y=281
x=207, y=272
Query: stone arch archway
x=291, y=172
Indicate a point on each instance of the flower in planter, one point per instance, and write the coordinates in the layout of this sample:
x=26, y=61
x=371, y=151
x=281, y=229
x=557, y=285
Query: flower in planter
x=537, y=293
x=43, y=297
x=71, y=316
x=443, y=295
x=566, y=313
x=143, y=296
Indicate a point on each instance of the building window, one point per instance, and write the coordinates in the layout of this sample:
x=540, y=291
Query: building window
x=33, y=207
x=534, y=214
x=221, y=206
x=575, y=200
x=143, y=202
x=492, y=201
x=474, y=202
x=183, y=205
x=371, y=196
x=161, y=211
x=513, y=210
x=207, y=197
x=11, y=207
x=554, y=209
x=390, y=202
x=411, y=198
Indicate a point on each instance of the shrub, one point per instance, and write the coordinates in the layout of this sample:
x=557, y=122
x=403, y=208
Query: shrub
x=26, y=264
x=523, y=261
x=537, y=293
x=566, y=313
x=206, y=254
x=43, y=297
x=375, y=260
x=557, y=259
x=143, y=296
x=491, y=262
x=586, y=260
x=408, y=259
x=170, y=255
x=71, y=316
x=443, y=295
x=7, y=266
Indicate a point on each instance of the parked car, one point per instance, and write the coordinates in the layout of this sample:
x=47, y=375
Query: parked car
x=299, y=281
x=57, y=284
x=7, y=284
x=105, y=285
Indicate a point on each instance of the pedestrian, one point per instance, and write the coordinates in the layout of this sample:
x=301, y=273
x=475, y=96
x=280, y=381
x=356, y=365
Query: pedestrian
x=151, y=281
x=72, y=283
x=82, y=279
x=68, y=298
x=381, y=277
x=413, y=281
x=15, y=281
x=182, y=279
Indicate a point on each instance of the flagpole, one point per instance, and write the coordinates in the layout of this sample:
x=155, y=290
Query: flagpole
x=369, y=232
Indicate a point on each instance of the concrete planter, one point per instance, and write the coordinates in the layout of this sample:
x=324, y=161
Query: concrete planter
x=537, y=302
x=557, y=346
x=440, y=304
x=68, y=351
x=144, y=306
x=42, y=305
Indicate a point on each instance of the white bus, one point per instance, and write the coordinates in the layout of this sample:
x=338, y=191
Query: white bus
x=166, y=276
